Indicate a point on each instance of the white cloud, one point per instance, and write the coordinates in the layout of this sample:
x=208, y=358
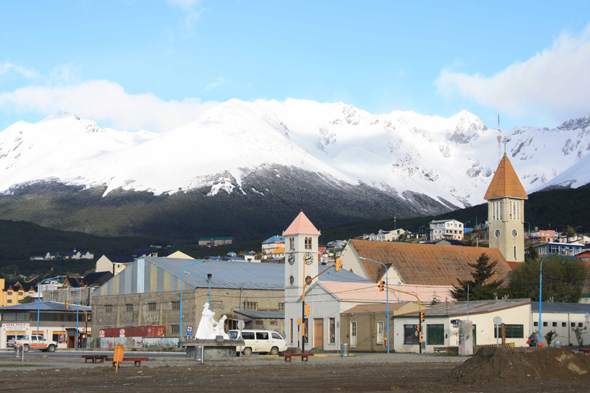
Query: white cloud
x=27, y=73
x=190, y=8
x=220, y=81
x=104, y=100
x=555, y=81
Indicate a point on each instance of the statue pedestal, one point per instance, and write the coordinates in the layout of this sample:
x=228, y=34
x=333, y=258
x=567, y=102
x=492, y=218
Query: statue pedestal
x=213, y=349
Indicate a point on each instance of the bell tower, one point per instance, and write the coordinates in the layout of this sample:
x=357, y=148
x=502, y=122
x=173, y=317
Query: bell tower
x=506, y=197
x=301, y=263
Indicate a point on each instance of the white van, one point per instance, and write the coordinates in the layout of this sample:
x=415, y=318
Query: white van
x=262, y=341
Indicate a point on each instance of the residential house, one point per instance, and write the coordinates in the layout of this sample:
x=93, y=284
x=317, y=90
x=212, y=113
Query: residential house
x=542, y=235
x=386, y=236
x=271, y=244
x=278, y=254
x=215, y=241
x=77, y=290
x=13, y=292
x=113, y=263
x=179, y=255
x=446, y=229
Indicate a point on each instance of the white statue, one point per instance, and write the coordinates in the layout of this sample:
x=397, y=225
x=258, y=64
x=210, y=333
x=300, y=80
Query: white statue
x=208, y=328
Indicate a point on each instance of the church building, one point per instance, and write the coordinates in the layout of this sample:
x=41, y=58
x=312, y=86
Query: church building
x=506, y=197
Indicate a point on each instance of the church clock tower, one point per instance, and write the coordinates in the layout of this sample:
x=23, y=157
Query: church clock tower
x=506, y=197
x=301, y=264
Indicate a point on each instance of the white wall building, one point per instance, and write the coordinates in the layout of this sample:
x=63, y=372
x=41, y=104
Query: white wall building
x=563, y=319
x=446, y=229
x=441, y=327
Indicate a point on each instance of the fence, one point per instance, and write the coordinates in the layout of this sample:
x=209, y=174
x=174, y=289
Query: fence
x=133, y=342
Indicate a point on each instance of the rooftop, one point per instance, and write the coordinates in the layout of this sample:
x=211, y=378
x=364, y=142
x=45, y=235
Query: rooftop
x=260, y=314
x=44, y=306
x=425, y=264
x=301, y=225
x=505, y=182
x=562, y=308
x=456, y=309
x=274, y=239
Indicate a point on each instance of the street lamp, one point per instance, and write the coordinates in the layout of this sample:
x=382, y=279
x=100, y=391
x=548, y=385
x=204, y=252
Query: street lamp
x=181, y=287
x=541, y=295
x=386, y=295
x=39, y=298
x=208, y=278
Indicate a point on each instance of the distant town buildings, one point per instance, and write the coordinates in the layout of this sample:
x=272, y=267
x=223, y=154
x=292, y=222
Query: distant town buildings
x=215, y=241
x=63, y=255
x=386, y=236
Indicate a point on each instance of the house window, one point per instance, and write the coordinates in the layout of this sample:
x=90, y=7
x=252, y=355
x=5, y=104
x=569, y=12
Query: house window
x=273, y=323
x=332, y=330
x=554, y=324
x=410, y=335
x=536, y=323
x=9, y=301
x=580, y=324
x=564, y=324
x=176, y=305
x=174, y=329
x=259, y=322
x=108, y=309
x=291, y=243
x=129, y=307
x=435, y=334
x=512, y=331
x=9, y=293
x=544, y=324
x=281, y=306
x=20, y=293
x=251, y=305
x=573, y=324
x=151, y=306
x=308, y=243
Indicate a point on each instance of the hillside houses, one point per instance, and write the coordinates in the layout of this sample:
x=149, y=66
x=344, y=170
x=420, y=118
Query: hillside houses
x=63, y=255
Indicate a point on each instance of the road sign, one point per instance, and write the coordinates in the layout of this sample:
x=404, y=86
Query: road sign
x=121, y=332
x=189, y=330
x=241, y=324
x=497, y=321
x=101, y=333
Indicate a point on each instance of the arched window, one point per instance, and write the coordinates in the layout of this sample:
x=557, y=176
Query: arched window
x=308, y=243
x=291, y=243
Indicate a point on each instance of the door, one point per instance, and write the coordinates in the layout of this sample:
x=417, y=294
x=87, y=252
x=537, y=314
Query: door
x=262, y=342
x=380, y=332
x=353, y=334
x=474, y=336
x=318, y=333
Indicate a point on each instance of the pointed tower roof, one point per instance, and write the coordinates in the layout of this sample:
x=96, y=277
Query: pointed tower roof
x=301, y=225
x=505, y=182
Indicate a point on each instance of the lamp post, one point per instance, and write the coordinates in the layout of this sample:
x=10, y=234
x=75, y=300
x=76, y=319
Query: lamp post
x=208, y=278
x=39, y=298
x=181, y=288
x=541, y=295
x=386, y=296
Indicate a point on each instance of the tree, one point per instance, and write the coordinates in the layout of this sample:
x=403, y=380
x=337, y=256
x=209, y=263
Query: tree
x=478, y=288
x=570, y=232
x=563, y=279
x=531, y=255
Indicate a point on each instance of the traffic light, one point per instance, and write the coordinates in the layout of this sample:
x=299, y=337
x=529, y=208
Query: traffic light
x=420, y=339
x=67, y=306
x=307, y=309
x=418, y=328
x=298, y=321
x=381, y=285
x=422, y=317
x=338, y=264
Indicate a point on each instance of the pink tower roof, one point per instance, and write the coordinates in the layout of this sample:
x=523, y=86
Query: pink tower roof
x=301, y=225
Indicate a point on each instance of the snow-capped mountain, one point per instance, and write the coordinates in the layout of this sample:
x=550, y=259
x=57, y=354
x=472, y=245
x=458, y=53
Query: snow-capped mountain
x=404, y=154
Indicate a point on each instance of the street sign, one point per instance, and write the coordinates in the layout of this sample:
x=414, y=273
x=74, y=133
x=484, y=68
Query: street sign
x=497, y=321
x=101, y=333
x=189, y=330
x=241, y=324
x=121, y=332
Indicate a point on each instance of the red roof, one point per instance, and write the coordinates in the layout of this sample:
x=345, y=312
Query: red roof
x=505, y=182
x=301, y=225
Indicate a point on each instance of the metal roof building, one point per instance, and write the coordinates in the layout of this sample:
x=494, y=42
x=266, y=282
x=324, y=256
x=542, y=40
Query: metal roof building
x=151, y=274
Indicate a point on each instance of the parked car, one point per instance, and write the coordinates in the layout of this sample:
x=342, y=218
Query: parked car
x=10, y=343
x=36, y=342
x=260, y=341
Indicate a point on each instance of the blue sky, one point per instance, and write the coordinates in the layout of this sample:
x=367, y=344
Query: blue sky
x=154, y=64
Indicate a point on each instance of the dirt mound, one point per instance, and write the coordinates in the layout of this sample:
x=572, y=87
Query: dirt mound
x=507, y=367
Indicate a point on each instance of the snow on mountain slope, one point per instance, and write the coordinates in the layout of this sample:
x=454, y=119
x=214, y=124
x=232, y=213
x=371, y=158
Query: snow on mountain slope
x=449, y=159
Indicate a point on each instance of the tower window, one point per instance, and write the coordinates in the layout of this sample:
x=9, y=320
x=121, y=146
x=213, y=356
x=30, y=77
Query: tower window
x=291, y=243
x=515, y=253
x=308, y=243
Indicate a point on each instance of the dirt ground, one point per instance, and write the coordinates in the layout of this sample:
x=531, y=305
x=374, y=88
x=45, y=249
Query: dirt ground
x=266, y=375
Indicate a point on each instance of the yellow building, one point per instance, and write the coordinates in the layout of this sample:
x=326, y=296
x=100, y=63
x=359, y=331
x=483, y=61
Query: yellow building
x=14, y=292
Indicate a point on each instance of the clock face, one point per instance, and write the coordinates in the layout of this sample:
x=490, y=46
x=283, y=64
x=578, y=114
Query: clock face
x=514, y=233
x=291, y=259
x=308, y=257
x=497, y=233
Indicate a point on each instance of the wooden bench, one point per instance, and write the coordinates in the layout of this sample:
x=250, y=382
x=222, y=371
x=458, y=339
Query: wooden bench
x=94, y=358
x=304, y=356
x=136, y=360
